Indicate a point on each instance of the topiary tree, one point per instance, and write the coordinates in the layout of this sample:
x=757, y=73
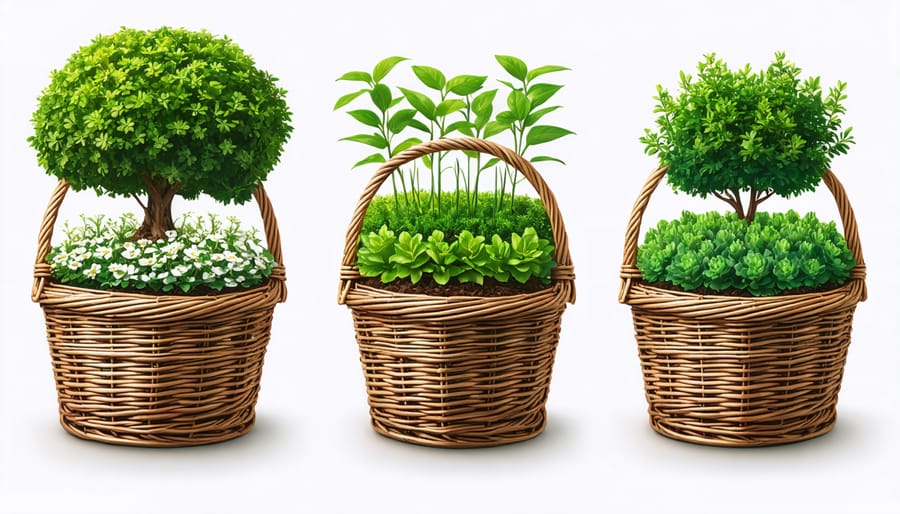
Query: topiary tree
x=735, y=132
x=160, y=113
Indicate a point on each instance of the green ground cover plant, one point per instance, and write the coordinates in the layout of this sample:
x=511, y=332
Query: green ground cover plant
x=155, y=114
x=743, y=137
x=444, y=206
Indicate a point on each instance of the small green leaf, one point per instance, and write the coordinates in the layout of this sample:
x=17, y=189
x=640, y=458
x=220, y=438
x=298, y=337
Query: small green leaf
x=513, y=65
x=400, y=120
x=495, y=127
x=483, y=104
x=407, y=144
x=519, y=104
x=418, y=125
x=385, y=66
x=357, y=76
x=461, y=126
x=489, y=164
x=375, y=140
x=449, y=106
x=366, y=117
x=538, y=114
x=540, y=93
x=543, y=158
x=464, y=85
x=375, y=157
x=420, y=102
x=349, y=97
x=431, y=77
x=541, y=70
x=381, y=97
x=544, y=133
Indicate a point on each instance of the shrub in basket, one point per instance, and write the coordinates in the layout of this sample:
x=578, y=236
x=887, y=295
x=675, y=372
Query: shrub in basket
x=456, y=279
x=743, y=318
x=158, y=326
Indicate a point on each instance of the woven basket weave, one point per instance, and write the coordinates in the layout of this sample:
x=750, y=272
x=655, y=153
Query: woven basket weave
x=156, y=370
x=741, y=371
x=457, y=371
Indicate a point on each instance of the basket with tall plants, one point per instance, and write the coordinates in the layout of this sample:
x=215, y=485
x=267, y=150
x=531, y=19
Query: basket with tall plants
x=158, y=326
x=456, y=279
x=743, y=319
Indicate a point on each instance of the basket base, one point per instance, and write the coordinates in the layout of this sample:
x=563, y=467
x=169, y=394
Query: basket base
x=160, y=438
x=472, y=436
x=735, y=437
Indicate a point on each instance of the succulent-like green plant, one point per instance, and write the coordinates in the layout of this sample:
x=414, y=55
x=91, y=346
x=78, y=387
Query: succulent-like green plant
x=765, y=133
x=160, y=113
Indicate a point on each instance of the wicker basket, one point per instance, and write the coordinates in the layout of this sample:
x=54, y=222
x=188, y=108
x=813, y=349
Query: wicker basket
x=459, y=371
x=156, y=370
x=741, y=371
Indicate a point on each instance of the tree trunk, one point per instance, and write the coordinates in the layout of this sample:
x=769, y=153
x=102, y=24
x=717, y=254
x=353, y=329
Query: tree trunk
x=158, y=211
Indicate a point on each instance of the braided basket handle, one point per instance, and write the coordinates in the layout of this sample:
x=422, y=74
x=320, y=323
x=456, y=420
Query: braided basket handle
x=630, y=272
x=45, y=234
x=563, y=269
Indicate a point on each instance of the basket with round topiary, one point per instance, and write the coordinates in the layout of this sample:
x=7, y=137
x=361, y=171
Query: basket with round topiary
x=743, y=319
x=456, y=279
x=158, y=327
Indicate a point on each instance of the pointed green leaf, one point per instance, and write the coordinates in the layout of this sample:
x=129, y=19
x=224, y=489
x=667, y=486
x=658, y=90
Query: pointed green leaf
x=418, y=125
x=510, y=85
x=540, y=93
x=400, y=120
x=464, y=85
x=381, y=97
x=495, y=127
x=449, y=106
x=541, y=70
x=396, y=101
x=356, y=76
x=349, y=97
x=519, y=104
x=431, y=77
x=385, y=66
x=506, y=118
x=420, y=102
x=375, y=157
x=366, y=117
x=375, y=140
x=544, y=133
x=426, y=159
x=407, y=144
x=513, y=65
x=542, y=158
x=491, y=163
x=461, y=126
x=538, y=114
x=483, y=104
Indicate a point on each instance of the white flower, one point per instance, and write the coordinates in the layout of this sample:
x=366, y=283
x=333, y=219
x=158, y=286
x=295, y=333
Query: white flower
x=147, y=277
x=61, y=257
x=147, y=261
x=180, y=270
x=163, y=275
x=118, y=270
x=74, y=264
x=131, y=253
x=93, y=270
x=218, y=271
x=192, y=253
x=230, y=282
x=214, y=237
x=171, y=234
x=128, y=245
x=217, y=257
x=231, y=257
x=104, y=252
x=207, y=276
x=239, y=278
x=143, y=242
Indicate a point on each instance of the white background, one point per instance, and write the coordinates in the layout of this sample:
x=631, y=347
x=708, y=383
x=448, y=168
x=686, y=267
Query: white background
x=312, y=449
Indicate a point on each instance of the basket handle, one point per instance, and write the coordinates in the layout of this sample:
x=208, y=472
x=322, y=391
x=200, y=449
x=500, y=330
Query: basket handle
x=563, y=271
x=45, y=234
x=630, y=272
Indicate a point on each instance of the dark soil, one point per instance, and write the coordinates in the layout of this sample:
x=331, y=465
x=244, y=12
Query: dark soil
x=739, y=292
x=197, y=291
x=428, y=286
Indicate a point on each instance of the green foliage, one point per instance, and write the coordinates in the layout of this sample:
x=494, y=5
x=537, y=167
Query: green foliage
x=167, y=106
x=730, y=131
x=523, y=212
x=775, y=253
x=203, y=251
x=465, y=259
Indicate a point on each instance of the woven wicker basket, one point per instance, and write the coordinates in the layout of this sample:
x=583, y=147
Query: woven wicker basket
x=741, y=371
x=156, y=370
x=457, y=371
